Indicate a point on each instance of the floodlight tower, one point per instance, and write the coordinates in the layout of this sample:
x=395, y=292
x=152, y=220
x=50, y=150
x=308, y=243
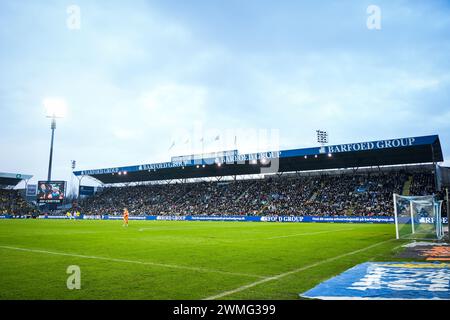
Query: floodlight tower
x=55, y=108
x=322, y=137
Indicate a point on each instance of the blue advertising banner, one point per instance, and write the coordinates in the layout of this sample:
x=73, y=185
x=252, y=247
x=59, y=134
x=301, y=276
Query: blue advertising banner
x=387, y=280
x=335, y=219
x=426, y=220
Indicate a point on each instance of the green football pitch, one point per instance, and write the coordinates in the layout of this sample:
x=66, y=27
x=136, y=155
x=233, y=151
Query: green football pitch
x=181, y=260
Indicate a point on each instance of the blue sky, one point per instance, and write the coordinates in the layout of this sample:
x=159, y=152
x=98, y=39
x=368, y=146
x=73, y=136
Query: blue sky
x=139, y=75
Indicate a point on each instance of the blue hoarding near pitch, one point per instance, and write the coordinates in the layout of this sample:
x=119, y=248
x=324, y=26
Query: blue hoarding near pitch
x=387, y=280
x=320, y=219
x=336, y=219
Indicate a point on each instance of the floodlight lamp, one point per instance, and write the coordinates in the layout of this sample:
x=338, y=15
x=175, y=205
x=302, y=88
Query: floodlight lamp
x=55, y=107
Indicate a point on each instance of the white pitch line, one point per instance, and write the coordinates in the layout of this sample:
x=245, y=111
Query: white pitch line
x=170, y=229
x=282, y=275
x=172, y=266
x=259, y=239
x=308, y=234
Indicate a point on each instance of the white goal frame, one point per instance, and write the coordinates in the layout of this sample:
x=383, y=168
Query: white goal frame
x=437, y=210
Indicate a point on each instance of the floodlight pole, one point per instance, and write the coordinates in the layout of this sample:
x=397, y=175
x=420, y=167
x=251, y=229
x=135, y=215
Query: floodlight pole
x=53, y=127
x=79, y=185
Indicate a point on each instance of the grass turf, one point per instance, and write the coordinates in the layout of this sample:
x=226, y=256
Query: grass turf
x=181, y=260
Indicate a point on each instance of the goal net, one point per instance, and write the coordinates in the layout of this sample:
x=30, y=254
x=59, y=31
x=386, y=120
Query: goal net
x=418, y=217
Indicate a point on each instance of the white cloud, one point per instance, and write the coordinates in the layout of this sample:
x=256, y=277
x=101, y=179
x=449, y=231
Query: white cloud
x=124, y=134
x=138, y=77
x=174, y=104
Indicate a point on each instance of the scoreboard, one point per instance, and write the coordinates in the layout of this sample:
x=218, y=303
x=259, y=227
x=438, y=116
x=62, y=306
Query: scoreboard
x=51, y=192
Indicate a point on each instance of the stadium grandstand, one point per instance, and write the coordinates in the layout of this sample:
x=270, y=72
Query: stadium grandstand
x=12, y=201
x=356, y=179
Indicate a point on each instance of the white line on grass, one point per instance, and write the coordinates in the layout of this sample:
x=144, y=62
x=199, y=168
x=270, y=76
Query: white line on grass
x=292, y=235
x=282, y=275
x=200, y=225
x=173, y=266
x=226, y=240
x=307, y=234
x=170, y=229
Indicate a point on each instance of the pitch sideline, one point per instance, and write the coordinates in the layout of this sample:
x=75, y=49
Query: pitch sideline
x=307, y=234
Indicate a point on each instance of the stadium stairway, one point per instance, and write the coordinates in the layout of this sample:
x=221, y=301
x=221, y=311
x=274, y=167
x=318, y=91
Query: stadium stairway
x=407, y=186
x=182, y=197
x=313, y=197
x=244, y=193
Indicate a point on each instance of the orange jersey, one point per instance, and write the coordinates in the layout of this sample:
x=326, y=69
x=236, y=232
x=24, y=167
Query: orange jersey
x=125, y=215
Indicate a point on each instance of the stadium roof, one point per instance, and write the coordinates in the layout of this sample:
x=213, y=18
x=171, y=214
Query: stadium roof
x=10, y=180
x=412, y=150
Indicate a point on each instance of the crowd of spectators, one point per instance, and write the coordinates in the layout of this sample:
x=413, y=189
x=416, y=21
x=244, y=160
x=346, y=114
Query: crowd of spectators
x=368, y=194
x=422, y=184
x=12, y=203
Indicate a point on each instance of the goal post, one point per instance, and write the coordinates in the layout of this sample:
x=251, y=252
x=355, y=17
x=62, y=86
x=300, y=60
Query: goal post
x=439, y=224
x=418, y=217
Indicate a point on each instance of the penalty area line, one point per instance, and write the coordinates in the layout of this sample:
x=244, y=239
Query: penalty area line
x=308, y=233
x=155, y=264
x=288, y=273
